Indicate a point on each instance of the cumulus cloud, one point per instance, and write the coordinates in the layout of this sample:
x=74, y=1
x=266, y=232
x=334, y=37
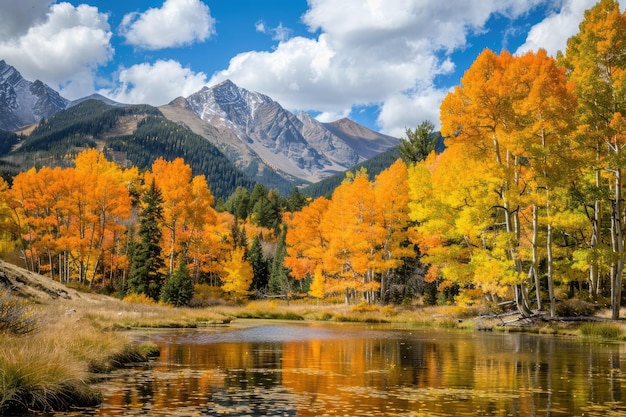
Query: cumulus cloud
x=155, y=84
x=62, y=49
x=366, y=53
x=176, y=23
x=16, y=17
x=552, y=33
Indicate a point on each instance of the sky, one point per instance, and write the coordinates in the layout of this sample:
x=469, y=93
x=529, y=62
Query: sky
x=386, y=64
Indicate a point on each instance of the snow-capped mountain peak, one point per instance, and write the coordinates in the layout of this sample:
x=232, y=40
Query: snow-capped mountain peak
x=294, y=146
x=24, y=102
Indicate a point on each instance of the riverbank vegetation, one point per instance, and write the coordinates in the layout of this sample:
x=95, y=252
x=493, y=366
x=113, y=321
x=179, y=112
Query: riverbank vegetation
x=50, y=353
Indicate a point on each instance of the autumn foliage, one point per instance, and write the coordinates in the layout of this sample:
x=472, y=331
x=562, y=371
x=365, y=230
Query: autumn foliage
x=525, y=205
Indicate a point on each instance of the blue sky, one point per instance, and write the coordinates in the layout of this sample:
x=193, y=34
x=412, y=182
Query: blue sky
x=384, y=63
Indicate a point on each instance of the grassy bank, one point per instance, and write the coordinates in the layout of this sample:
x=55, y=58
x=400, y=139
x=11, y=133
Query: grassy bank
x=50, y=366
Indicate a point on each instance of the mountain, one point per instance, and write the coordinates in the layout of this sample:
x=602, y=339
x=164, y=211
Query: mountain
x=134, y=135
x=264, y=139
x=97, y=97
x=23, y=102
x=374, y=166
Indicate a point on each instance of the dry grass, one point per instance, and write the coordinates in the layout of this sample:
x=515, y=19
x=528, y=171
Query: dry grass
x=50, y=368
x=360, y=313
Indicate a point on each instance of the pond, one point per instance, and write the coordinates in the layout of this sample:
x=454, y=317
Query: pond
x=258, y=368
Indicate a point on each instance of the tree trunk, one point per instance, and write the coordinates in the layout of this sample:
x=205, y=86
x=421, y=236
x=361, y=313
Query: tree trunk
x=532, y=271
x=617, y=244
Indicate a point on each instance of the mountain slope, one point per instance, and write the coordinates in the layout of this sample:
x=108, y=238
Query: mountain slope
x=23, y=102
x=132, y=135
x=243, y=157
x=255, y=133
x=374, y=166
x=260, y=136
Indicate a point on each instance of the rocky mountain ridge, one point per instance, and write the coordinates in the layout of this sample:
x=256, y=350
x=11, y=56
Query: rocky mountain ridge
x=23, y=102
x=296, y=147
x=264, y=140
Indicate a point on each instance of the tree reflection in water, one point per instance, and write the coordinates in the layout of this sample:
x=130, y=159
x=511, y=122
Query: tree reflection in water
x=313, y=369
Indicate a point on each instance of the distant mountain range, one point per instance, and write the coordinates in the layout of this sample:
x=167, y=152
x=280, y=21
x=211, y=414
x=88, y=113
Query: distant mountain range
x=266, y=142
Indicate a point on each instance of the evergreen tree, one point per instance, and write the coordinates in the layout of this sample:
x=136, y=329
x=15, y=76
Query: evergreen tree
x=178, y=289
x=419, y=142
x=279, y=280
x=260, y=265
x=296, y=200
x=146, y=276
x=264, y=213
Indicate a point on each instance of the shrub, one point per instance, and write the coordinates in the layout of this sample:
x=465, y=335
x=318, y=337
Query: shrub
x=389, y=311
x=205, y=295
x=139, y=299
x=574, y=308
x=364, y=307
x=17, y=316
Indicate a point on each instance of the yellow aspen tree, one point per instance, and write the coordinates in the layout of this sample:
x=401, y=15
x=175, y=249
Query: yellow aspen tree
x=545, y=108
x=174, y=181
x=318, y=287
x=594, y=60
x=305, y=240
x=200, y=215
x=478, y=115
x=108, y=203
x=391, y=191
x=237, y=275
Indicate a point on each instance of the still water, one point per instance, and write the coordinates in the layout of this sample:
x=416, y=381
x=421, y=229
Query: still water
x=325, y=369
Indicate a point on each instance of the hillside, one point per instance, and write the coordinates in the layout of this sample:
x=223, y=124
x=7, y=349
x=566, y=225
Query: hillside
x=131, y=136
x=374, y=166
x=33, y=286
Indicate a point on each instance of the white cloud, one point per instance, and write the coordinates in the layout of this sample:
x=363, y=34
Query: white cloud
x=176, y=23
x=327, y=117
x=260, y=26
x=63, y=49
x=369, y=52
x=279, y=33
x=553, y=32
x=407, y=110
x=155, y=84
x=16, y=17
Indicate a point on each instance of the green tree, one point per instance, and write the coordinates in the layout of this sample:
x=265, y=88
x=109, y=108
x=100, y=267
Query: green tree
x=178, y=289
x=296, y=200
x=146, y=270
x=260, y=266
x=238, y=204
x=279, y=280
x=419, y=143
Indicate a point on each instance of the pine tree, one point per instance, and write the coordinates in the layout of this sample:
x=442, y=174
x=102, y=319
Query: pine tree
x=279, y=280
x=178, y=289
x=146, y=270
x=419, y=143
x=259, y=264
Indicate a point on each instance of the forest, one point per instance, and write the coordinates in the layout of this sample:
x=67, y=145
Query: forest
x=133, y=135
x=524, y=204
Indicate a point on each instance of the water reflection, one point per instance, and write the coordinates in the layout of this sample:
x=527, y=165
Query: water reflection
x=313, y=369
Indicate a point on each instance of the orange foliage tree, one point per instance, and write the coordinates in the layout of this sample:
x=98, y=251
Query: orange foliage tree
x=347, y=245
